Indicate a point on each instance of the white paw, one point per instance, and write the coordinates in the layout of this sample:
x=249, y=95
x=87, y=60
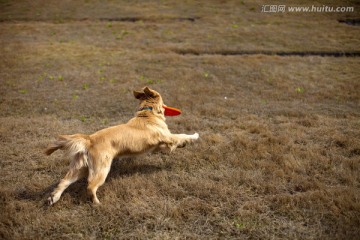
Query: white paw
x=195, y=136
x=50, y=201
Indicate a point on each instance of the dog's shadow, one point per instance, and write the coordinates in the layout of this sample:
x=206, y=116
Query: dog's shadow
x=128, y=167
x=77, y=190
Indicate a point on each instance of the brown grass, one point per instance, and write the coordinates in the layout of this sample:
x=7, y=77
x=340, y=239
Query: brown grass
x=279, y=155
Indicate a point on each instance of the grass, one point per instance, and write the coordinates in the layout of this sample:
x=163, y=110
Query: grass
x=279, y=149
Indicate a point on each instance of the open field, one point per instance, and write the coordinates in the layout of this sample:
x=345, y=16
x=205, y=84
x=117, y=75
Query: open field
x=279, y=149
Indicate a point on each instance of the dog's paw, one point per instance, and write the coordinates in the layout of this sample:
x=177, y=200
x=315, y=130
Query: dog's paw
x=50, y=201
x=195, y=136
x=54, y=197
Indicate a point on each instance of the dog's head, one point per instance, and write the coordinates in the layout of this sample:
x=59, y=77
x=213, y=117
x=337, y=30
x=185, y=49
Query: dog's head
x=150, y=100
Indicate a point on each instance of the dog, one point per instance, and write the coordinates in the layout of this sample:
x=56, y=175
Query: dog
x=91, y=155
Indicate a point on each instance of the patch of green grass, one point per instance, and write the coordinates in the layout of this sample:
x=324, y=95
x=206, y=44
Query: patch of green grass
x=167, y=32
x=263, y=101
x=23, y=91
x=121, y=35
x=10, y=83
x=83, y=118
x=149, y=80
x=299, y=90
x=104, y=121
x=238, y=224
x=40, y=78
x=86, y=86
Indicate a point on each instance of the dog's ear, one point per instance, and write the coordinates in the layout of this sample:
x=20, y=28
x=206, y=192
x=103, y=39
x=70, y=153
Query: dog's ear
x=149, y=92
x=139, y=95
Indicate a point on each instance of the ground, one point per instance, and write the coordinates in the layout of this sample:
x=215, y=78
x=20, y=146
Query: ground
x=274, y=96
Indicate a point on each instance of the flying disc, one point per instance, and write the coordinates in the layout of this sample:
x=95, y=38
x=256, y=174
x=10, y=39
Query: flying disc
x=169, y=111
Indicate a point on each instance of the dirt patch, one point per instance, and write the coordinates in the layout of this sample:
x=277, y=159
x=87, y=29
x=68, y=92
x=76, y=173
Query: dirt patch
x=271, y=53
x=108, y=19
x=353, y=22
x=137, y=19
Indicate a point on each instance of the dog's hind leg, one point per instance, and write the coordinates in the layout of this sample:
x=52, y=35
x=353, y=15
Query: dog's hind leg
x=99, y=167
x=71, y=176
x=95, y=180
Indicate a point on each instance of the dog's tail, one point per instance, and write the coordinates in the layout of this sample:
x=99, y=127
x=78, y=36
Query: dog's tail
x=77, y=144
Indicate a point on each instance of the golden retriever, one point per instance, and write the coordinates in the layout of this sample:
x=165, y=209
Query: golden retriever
x=91, y=155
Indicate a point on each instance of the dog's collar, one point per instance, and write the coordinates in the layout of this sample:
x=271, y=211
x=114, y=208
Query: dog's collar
x=145, y=108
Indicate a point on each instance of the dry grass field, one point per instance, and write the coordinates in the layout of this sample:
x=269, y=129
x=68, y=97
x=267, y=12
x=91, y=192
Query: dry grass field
x=275, y=98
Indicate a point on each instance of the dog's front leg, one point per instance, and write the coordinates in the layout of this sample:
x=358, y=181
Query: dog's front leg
x=180, y=140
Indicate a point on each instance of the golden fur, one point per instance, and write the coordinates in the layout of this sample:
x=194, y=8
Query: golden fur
x=92, y=155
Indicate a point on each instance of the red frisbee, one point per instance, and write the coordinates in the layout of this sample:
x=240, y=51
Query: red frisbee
x=169, y=111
